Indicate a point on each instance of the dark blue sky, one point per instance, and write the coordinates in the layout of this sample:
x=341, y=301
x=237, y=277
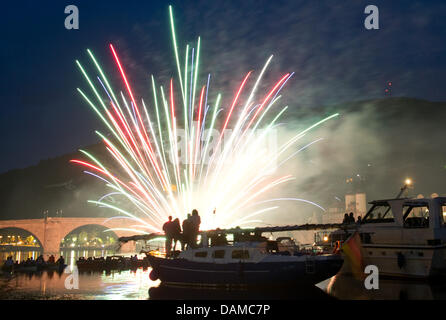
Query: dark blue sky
x=324, y=42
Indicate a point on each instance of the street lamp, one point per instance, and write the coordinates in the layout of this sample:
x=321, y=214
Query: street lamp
x=407, y=183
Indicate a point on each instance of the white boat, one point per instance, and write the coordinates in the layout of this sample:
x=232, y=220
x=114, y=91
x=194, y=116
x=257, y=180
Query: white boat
x=404, y=237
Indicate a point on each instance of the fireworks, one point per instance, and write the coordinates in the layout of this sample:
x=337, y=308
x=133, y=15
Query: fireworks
x=223, y=175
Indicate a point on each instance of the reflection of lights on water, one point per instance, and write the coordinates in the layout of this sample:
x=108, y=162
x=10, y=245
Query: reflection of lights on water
x=157, y=253
x=116, y=285
x=128, y=284
x=72, y=259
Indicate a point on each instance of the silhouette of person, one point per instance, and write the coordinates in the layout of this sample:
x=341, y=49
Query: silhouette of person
x=9, y=262
x=167, y=228
x=61, y=261
x=186, y=238
x=346, y=219
x=61, y=264
x=195, y=221
x=351, y=218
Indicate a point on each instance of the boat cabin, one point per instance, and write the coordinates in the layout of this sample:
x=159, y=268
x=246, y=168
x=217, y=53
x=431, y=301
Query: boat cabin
x=410, y=221
x=413, y=221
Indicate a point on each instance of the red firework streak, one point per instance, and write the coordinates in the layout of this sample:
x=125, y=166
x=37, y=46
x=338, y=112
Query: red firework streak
x=145, y=141
x=266, y=100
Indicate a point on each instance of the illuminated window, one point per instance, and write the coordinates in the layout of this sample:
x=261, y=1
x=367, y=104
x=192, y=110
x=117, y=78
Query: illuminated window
x=444, y=215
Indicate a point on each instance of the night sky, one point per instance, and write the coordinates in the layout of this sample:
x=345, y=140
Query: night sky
x=335, y=58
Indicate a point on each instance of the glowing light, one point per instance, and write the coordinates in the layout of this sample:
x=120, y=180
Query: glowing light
x=408, y=182
x=221, y=185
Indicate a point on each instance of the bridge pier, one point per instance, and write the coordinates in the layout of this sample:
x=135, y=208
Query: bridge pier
x=52, y=237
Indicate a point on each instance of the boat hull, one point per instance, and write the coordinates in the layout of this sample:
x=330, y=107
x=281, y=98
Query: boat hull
x=261, y=273
x=406, y=261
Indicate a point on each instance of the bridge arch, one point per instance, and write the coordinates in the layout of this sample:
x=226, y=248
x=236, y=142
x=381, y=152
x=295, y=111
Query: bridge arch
x=72, y=238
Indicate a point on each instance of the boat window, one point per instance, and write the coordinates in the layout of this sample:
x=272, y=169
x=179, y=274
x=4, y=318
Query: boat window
x=272, y=246
x=416, y=215
x=240, y=254
x=219, y=254
x=201, y=254
x=379, y=213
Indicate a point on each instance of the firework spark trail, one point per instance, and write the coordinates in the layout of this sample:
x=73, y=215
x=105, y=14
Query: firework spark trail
x=232, y=179
x=244, y=166
x=242, y=117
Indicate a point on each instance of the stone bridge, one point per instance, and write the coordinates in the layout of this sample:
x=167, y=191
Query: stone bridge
x=50, y=231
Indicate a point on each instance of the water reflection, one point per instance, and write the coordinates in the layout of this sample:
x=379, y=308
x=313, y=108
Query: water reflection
x=19, y=255
x=71, y=256
x=167, y=292
x=346, y=287
x=136, y=284
x=92, y=286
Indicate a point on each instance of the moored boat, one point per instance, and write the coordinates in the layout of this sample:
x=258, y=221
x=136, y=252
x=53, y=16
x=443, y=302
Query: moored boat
x=248, y=260
x=403, y=237
x=110, y=263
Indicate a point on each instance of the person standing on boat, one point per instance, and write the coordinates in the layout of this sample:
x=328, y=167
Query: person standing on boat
x=195, y=221
x=176, y=232
x=186, y=237
x=168, y=231
x=351, y=218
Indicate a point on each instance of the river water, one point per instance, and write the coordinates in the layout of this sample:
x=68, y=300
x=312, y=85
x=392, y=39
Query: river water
x=136, y=284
